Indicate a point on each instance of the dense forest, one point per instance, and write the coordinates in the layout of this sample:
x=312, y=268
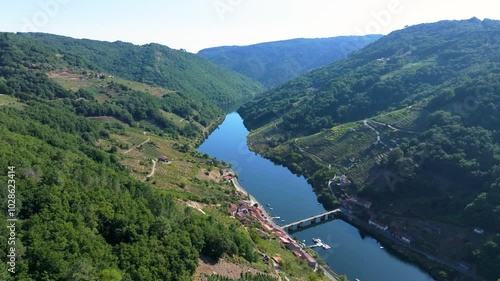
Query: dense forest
x=176, y=70
x=431, y=93
x=81, y=215
x=276, y=62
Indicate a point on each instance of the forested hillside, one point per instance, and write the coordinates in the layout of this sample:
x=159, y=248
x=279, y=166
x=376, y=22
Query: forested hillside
x=412, y=120
x=276, y=62
x=75, y=143
x=154, y=64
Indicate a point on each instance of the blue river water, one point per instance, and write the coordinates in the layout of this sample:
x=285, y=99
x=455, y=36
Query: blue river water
x=292, y=198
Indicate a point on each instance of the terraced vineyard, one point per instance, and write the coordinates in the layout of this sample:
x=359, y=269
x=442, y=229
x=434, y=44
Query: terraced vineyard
x=410, y=118
x=358, y=172
x=338, y=148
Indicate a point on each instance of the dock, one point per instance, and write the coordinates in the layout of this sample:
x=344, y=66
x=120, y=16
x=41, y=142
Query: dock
x=319, y=243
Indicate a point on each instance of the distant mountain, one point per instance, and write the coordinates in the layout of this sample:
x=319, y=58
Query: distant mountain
x=155, y=64
x=276, y=62
x=413, y=120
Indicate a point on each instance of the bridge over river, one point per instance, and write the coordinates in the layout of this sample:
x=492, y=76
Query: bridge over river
x=294, y=226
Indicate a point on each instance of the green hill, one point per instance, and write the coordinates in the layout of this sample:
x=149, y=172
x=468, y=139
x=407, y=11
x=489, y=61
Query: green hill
x=412, y=120
x=154, y=64
x=77, y=157
x=276, y=62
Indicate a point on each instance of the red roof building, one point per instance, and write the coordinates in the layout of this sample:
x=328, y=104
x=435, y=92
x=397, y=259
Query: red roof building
x=232, y=209
x=277, y=259
x=267, y=227
x=310, y=260
x=284, y=240
x=163, y=159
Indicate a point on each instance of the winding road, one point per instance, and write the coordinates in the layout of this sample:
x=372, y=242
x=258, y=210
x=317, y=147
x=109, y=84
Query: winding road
x=379, y=140
x=153, y=170
x=393, y=128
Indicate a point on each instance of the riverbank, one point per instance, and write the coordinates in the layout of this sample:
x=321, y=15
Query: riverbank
x=292, y=198
x=269, y=220
x=431, y=264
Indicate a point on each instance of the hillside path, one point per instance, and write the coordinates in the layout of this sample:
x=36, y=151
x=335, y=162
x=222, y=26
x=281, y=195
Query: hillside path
x=146, y=141
x=153, y=170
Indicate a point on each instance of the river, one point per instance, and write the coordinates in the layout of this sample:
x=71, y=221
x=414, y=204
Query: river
x=352, y=253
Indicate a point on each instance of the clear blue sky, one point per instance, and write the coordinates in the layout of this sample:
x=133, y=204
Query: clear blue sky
x=198, y=24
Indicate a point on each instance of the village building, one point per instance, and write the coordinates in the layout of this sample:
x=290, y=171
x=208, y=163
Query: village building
x=403, y=237
x=406, y=240
x=293, y=246
x=342, y=181
x=277, y=259
x=377, y=224
x=284, y=240
x=310, y=260
x=360, y=202
x=232, y=209
x=163, y=159
x=267, y=227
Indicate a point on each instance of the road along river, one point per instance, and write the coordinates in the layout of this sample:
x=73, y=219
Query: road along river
x=291, y=198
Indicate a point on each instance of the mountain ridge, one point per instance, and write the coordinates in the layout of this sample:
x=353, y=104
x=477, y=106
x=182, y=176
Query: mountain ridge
x=272, y=63
x=156, y=64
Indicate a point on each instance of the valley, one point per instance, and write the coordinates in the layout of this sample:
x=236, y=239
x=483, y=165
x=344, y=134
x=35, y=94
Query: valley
x=144, y=162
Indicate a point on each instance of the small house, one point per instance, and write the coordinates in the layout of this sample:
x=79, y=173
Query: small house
x=403, y=237
x=232, y=209
x=297, y=254
x=406, y=239
x=293, y=246
x=277, y=259
x=163, y=159
x=267, y=227
x=310, y=260
x=284, y=240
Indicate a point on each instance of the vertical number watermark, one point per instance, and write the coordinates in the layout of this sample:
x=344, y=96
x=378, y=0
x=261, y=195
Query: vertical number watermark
x=11, y=219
